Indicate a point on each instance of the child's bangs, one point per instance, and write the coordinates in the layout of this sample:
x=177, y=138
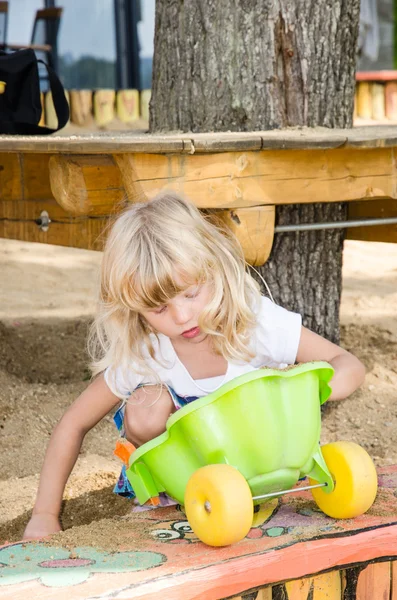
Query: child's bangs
x=158, y=283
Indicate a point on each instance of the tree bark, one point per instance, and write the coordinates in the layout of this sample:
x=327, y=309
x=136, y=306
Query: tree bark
x=223, y=65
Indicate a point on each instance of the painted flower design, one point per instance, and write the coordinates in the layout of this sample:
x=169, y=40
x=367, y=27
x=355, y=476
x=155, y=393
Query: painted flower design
x=175, y=533
x=57, y=567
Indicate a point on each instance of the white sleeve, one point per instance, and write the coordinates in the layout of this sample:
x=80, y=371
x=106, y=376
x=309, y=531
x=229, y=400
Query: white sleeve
x=277, y=336
x=121, y=382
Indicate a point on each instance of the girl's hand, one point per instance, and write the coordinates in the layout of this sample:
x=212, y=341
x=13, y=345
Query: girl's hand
x=41, y=525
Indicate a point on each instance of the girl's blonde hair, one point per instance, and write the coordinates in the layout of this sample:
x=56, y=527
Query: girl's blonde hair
x=150, y=243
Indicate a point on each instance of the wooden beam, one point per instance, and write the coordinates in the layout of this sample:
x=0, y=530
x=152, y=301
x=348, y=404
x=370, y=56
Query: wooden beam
x=364, y=138
x=133, y=189
x=77, y=232
x=81, y=107
x=85, y=185
x=248, y=183
x=243, y=179
x=254, y=229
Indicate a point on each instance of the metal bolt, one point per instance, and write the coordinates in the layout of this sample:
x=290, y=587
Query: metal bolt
x=43, y=221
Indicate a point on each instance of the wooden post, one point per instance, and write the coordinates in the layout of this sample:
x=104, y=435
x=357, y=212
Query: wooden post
x=104, y=107
x=127, y=103
x=378, y=101
x=254, y=229
x=391, y=100
x=84, y=185
x=81, y=107
x=374, y=582
x=364, y=100
x=145, y=99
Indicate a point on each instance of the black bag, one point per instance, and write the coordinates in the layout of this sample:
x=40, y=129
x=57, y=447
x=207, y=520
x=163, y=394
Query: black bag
x=20, y=106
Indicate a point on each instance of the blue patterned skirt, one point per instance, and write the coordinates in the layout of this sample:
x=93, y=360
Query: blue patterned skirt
x=123, y=486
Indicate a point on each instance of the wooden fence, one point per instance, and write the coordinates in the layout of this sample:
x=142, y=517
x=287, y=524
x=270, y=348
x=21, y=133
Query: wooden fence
x=375, y=100
x=101, y=109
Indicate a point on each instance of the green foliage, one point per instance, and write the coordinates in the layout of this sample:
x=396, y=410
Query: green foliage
x=87, y=73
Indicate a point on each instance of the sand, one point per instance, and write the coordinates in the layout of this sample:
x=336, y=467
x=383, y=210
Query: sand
x=47, y=298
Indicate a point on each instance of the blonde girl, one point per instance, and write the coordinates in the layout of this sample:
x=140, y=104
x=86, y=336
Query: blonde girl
x=179, y=315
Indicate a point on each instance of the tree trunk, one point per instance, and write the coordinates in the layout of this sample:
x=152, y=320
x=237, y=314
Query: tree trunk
x=222, y=65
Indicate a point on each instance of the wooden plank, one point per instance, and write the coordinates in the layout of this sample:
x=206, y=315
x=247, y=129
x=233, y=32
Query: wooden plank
x=24, y=177
x=85, y=185
x=376, y=209
x=236, y=180
x=30, y=210
x=228, y=142
x=104, y=107
x=35, y=177
x=254, y=229
x=94, y=143
x=81, y=107
x=374, y=582
x=127, y=105
x=343, y=581
x=367, y=137
x=10, y=176
x=327, y=586
x=298, y=589
x=81, y=232
x=254, y=178
x=126, y=165
x=393, y=580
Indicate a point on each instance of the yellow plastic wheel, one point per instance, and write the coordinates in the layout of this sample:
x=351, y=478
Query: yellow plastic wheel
x=218, y=505
x=355, y=478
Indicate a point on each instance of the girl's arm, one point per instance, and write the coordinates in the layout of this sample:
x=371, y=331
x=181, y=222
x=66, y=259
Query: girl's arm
x=349, y=371
x=62, y=452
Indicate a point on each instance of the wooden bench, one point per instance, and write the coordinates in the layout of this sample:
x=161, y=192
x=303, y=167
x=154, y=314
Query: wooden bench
x=78, y=181
x=292, y=552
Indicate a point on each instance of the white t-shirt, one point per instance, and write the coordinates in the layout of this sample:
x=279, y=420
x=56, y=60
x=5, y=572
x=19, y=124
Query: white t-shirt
x=275, y=343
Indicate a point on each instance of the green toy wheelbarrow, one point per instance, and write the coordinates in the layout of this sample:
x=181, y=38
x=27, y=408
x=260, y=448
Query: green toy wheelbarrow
x=251, y=440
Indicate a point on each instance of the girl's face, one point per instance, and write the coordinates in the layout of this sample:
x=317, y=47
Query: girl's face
x=178, y=319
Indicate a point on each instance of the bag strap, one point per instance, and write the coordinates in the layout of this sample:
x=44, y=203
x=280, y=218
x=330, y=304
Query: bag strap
x=58, y=97
x=60, y=104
